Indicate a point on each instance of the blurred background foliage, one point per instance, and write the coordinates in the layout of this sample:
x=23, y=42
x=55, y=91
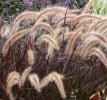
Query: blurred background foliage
x=10, y=8
x=99, y=7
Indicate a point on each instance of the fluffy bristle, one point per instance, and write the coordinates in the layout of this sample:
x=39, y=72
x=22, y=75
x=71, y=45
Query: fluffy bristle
x=30, y=57
x=51, y=41
x=12, y=79
x=73, y=38
x=88, y=7
x=35, y=82
x=24, y=76
x=5, y=31
x=100, y=54
x=57, y=79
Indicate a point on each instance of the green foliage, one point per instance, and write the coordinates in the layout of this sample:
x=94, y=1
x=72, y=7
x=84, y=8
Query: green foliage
x=80, y=2
x=99, y=7
x=12, y=7
x=1, y=4
x=16, y=7
x=73, y=93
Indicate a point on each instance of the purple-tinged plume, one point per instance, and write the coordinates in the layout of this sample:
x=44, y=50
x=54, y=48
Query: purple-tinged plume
x=28, y=2
x=67, y=2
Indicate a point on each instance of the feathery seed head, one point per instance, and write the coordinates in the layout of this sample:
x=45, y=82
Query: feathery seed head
x=35, y=82
x=30, y=57
x=24, y=76
x=12, y=79
x=57, y=79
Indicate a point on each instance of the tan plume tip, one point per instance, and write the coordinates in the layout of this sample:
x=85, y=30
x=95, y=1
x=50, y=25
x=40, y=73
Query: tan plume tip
x=88, y=7
x=57, y=79
x=5, y=31
x=70, y=45
x=48, y=39
x=35, y=82
x=24, y=76
x=60, y=21
x=26, y=14
x=30, y=57
x=57, y=31
x=91, y=40
x=12, y=79
x=98, y=52
x=98, y=24
x=51, y=11
x=13, y=38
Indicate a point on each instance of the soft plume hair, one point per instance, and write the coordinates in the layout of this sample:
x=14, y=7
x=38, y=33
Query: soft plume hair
x=51, y=41
x=12, y=79
x=57, y=79
x=35, y=81
x=30, y=57
x=24, y=76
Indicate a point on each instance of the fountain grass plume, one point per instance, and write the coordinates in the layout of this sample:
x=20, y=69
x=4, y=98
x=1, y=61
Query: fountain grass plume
x=12, y=79
x=70, y=45
x=100, y=54
x=24, y=76
x=50, y=40
x=15, y=37
x=35, y=81
x=90, y=41
x=30, y=57
x=87, y=7
x=57, y=79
